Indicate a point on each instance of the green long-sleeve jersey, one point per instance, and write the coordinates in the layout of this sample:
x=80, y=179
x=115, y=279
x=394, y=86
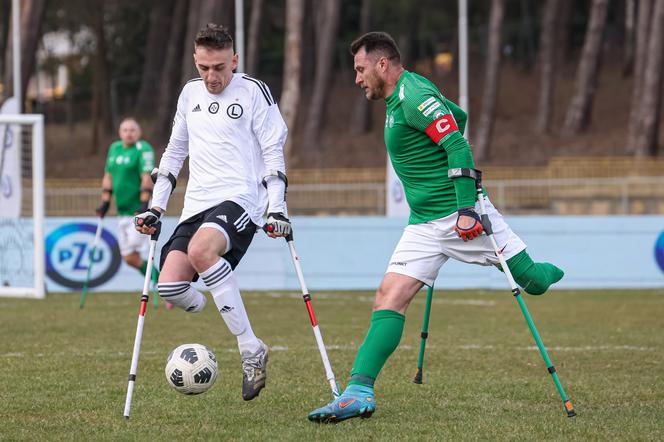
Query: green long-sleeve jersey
x=423, y=137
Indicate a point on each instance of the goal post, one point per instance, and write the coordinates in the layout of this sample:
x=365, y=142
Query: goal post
x=22, y=257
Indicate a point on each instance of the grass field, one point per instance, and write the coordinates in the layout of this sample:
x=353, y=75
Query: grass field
x=64, y=370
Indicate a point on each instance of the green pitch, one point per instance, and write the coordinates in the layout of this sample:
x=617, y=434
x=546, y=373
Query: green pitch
x=64, y=370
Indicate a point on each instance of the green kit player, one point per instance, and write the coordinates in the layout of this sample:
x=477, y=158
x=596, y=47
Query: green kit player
x=127, y=177
x=423, y=136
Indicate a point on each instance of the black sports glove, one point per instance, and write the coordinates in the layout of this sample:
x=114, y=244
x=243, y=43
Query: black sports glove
x=142, y=208
x=278, y=224
x=473, y=231
x=103, y=209
x=146, y=219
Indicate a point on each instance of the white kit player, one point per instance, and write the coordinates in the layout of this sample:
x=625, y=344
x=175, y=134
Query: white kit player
x=230, y=127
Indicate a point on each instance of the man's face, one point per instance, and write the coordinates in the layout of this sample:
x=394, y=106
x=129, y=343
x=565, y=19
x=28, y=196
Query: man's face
x=368, y=74
x=129, y=132
x=215, y=67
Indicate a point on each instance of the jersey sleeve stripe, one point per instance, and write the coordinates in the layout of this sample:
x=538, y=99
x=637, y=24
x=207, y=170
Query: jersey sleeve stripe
x=262, y=89
x=267, y=89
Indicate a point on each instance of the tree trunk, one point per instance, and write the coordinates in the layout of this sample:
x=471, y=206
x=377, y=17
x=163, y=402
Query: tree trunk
x=579, y=111
x=650, y=109
x=254, y=38
x=101, y=99
x=329, y=19
x=200, y=13
x=628, y=54
x=169, y=88
x=31, y=33
x=160, y=19
x=643, y=30
x=290, y=94
x=5, y=5
x=32, y=17
x=491, y=80
x=361, y=122
x=547, y=53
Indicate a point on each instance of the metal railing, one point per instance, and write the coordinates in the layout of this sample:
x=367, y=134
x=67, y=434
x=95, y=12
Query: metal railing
x=554, y=196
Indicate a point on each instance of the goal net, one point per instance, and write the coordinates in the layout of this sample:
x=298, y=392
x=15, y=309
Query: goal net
x=22, y=206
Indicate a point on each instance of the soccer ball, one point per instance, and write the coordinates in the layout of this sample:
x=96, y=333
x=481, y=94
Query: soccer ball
x=191, y=369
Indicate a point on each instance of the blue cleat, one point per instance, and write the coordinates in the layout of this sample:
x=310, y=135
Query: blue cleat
x=356, y=401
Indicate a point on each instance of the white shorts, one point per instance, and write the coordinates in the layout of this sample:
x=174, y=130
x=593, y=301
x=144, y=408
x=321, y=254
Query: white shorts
x=129, y=239
x=424, y=248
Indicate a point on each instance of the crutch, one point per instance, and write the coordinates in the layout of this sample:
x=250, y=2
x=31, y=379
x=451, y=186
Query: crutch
x=486, y=224
x=95, y=242
x=424, y=335
x=312, y=316
x=141, y=319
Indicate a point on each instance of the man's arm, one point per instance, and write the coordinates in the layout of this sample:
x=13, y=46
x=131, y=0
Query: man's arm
x=146, y=192
x=174, y=156
x=271, y=131
x=171, y=163
x=106, y=192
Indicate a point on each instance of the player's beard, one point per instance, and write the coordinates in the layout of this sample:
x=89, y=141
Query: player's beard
x=378, y=91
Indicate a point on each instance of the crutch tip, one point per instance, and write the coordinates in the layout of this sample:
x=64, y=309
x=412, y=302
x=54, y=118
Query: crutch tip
x=569, y=408
x=418, y=376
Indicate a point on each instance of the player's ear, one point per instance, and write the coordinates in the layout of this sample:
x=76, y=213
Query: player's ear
x=234, y=61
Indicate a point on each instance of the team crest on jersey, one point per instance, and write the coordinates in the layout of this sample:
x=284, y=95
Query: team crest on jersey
x=214, y=107
x=234, y=111
x=389, y=121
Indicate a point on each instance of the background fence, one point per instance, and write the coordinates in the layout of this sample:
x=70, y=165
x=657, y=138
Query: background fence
x=567, y=186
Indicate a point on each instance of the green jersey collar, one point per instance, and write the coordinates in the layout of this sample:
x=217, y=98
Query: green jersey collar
x=398, y=93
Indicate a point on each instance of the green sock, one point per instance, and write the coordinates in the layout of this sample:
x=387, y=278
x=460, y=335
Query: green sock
x=382, y=339
x=534, y=277
x=155, y=272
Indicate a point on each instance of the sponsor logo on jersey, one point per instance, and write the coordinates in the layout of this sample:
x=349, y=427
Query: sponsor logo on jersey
x=425, y=103
x=431, y=108
x=441, y=127
x=234, y=111
x=402, y=92
x=197, y=108
x=214, y=107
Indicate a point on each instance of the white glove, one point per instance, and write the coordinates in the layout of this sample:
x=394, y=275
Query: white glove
x=278, y=225
x=145, y=220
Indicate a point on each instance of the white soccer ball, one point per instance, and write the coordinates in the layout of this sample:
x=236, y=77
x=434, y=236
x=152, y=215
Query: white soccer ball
x=191, y=369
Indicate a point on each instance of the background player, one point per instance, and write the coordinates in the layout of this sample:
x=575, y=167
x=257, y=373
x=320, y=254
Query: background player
x=127, y=178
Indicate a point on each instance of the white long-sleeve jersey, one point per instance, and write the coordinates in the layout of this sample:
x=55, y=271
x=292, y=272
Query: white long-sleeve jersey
x=232, y=139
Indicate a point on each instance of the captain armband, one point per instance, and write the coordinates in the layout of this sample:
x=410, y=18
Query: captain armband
x=156, y=172
x=459, y=172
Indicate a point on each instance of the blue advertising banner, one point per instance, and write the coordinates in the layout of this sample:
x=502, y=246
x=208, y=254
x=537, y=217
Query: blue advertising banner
x=345, y=253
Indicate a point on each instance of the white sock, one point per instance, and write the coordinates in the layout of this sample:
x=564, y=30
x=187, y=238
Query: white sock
x=221, y=281
x=183, y=295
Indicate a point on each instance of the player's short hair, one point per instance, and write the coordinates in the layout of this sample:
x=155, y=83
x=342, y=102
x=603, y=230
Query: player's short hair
x=129, y=118
x=214, y=36
x=377, y=42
